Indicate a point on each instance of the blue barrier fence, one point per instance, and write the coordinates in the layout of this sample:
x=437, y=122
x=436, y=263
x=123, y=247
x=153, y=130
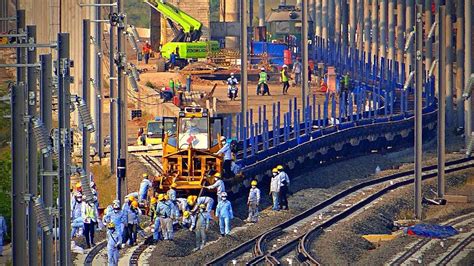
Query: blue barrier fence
x=377, y=97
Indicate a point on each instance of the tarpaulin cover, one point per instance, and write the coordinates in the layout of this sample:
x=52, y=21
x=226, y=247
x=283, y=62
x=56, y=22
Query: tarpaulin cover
x=274, y=51
x=432, y=230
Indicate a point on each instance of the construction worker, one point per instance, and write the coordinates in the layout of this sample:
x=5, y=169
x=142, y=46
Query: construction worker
x=285, y=79
x=164, y=211
x=114, y=241
x=77, y=223
x=346, y=83
x=253, y=201
x=157, y=224
x=144, y=186
x=172, y=61
x=225, y=214
x=275, y=189
x=201, y=225
x=89, y=216
x=284, y=184
x=172, y=192
x=297, y=69
x=207, y=201
x=188, y=220
x=219, y=185
x=262, y=81
x=133, y=221
x=117, y=216
x=146, y=50
x=152, y=210
x=182, y=204
x=3, y=232
x=226, y=150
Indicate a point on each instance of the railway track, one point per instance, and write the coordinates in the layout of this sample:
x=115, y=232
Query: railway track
x=301, y=242
x=457, y=249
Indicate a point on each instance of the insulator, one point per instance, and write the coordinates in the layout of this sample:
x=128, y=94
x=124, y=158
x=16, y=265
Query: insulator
x=135, y=73
x=133, y=83
x=470, y=144
x=42, y=138
x=86, y=187
x=43, y=218
x=135, y=32
x=133, y=42
x=85, y=116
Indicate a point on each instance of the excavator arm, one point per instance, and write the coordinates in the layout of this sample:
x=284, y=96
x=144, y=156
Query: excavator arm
x=190, y=28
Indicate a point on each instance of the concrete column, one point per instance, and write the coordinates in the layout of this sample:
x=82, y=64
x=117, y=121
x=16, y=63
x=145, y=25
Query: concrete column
x=429, y=44
x=383, y=28
x=261, y=13
x=360, y=26
x=232, y=15
x=324, y=16
x=312, y=10
x=375, y=29
x=352, y=22
x=460, y=62
x=337, y=37
x=344, y=23
x=467, y=65
x=367, y=28
x=409, y=16
x=450, y=115
x=331, y=19
x=319, y=17
x=400, y=31
x=391, y=29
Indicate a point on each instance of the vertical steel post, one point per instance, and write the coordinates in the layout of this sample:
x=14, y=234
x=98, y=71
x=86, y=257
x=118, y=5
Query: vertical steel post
x=98, y=81
x=121, y=109
x=32, y=151
x=18, y=98
x=375, y=32
x=400, y=34
x=46, y=110
x=449, y=65
x=324, y=25
x=64, y=172
x=344, y=26
x=331, y=20
x=460, y=63
x=383, y=29
x=418, y=112
x=319, y=17
x=359, y=27
x=243, y=63
x=366, y=29
x=429, y=42
x=352, y=23
x=112, y=96
x=86, y=33
x=337, y=19
x=304, y=50
x=261, y=13
x=409, y=17
x=467, y=67
x=312, y=9
x=391, y=30
x=441, y=99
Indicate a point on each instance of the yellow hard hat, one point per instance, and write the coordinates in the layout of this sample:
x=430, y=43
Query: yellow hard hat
x=78, y=185
x=131, y=198
x=161, y=197
x=106, y=211
x=145, y=175
x=153, y=200
x=217, y=175
x=191, y=200
x=166, y=197
x=253, y=183
x=111, y=225
x=174, y=185
x=135, y=204
x=186, y=214
x=279, y=167
x=202, y=206
x=274, y=170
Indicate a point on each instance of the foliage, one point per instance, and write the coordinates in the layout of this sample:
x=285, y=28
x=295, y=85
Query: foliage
x=5, y=159
x=138, y=13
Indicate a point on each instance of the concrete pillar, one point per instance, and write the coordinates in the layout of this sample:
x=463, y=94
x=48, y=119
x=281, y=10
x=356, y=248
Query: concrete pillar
x=360, y=26
x=337, y=17
x=312, y=10
x=375, y=29
x=319, y=17
x=232, y=15
x=261, y=13
x=331, y=19
x=352, y=22
x=460, y=62
x=383, y=28
x=366, y=28
x=391, y=30
x=428, y=46
x=400, y=32
x=325, y=19
x=409, y=16
x=450, y=115
x=467, y=65
x=344, y=23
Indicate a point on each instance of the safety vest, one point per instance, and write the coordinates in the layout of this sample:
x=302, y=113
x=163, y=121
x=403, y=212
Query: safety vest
x=263, y=77
x=346, y=80
x=90, y=212
x=284, y=78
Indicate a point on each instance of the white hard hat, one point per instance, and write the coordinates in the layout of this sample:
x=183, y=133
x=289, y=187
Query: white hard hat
x=92, y=184
x=232, y=73
x=223, y=138
x=224, y=194
x=285, y=66
x=262, y=68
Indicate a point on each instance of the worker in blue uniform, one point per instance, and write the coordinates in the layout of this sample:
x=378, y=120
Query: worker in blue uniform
x=77, y=223
x=284, y=185
x=225, y=214
x=114, y=241
x=219, y=185
x=116, y=216
x=201, y=225
x=144, y=186
x=226, y=151
x=252, y=202
x=164, y=211
x=3, y=231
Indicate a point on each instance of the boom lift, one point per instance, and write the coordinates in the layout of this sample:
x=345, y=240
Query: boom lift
x=187, y=33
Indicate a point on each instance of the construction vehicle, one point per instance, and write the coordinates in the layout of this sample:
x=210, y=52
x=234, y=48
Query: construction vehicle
x=187, y=31
x=189, y=144
x=154, y=130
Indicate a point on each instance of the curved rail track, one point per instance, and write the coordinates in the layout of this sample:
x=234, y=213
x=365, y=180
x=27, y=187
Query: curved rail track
x=457, y=249
x=301, y=243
